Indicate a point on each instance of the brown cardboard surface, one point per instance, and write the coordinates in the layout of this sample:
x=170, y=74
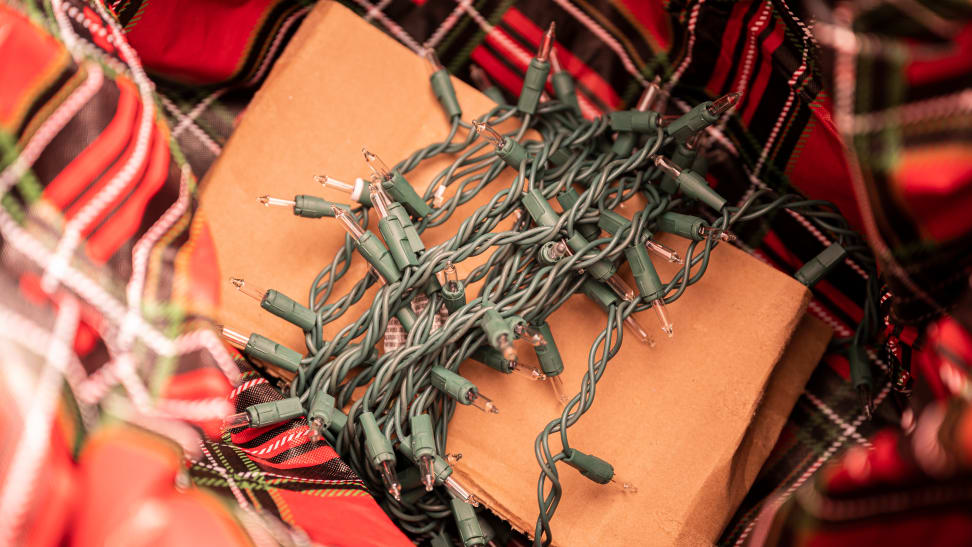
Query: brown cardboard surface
x=670, y=419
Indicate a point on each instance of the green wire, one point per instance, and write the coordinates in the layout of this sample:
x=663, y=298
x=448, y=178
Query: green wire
x=397, y=384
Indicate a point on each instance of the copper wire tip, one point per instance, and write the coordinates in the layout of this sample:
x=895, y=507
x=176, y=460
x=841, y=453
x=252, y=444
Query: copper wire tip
x=724, y=103
x=547, y=43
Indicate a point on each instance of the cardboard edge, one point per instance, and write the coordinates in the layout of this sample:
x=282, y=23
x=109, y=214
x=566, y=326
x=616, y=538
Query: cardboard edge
x=728, y=484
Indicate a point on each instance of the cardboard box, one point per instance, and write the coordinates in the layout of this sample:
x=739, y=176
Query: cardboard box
x=680, y=420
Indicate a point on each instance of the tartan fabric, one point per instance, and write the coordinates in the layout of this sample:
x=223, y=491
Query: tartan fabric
x=888, y=78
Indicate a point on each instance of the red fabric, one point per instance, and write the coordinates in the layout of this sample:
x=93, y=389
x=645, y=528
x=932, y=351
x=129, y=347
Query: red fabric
x=205, y=47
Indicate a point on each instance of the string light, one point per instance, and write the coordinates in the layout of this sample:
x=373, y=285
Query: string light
x=401, y=400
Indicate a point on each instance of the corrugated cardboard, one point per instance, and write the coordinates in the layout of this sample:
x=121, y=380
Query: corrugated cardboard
x=677, y=419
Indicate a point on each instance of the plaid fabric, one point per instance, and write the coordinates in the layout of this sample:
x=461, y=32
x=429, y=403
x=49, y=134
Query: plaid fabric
x=890, y=79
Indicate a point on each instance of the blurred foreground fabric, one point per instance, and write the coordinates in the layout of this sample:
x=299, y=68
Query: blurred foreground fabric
x=115, y=381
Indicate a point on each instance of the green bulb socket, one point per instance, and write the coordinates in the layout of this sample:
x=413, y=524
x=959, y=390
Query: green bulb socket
x=262, y=348
x=644, y=273
x=495, y=94
x=375, y=252
x=624, y=144
x=819, y=266
x=539, y=208
x=533, y=84
x=440, y=468
x=701, y=164
x=274, y=412
x=563, y=86
x=422, y=437
x=454, y=299
x=491, y=358
x=445, y=93
x=396, y=210
x=453, y=385
x=559, y=157
x=406, y=317
x=496, y=327
x=694, y=186
x=512, y=152
x=590, y=466
x=377, y=445
x=600, y=293
x=691, y=122
x=686, y=226
x=470, y=531
x=635, y=121
x=433, y=285
x=324, y=408
x=315, y=207
x=612, y=222
x=683, y=157
x=567, y=199
x=544, y=215
x=401, y=191
x=393, y=233
x=287, y=309
x=551, y=363
x=600, y=270
x=860, y=369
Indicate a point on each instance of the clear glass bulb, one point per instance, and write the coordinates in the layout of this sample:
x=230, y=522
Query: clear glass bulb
x=529, y=333
x=662, y=312
x=724, y=103
x=390, y=478
x=451, y=277
x=546, y=44
x=665, y=251
x=482, y=402
x=712, y=234
x=648, y=97
x=620, y=287
x=487, y=132
x=316, y=429
x=427, y=471
x=236, y=339
x=554, y=61
x=240, y=419
x=268, y=201
x=330, y=182
x=249, y=289
x=560, y=392
x=348, y=222
x=529, y=373
x=666, y=165
x=479, y=78
x=429, y=55
x=459, y=491
x=506, y=348
x=635, y=328
x=559, y=250
x=377, y=166
x=378, y=198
